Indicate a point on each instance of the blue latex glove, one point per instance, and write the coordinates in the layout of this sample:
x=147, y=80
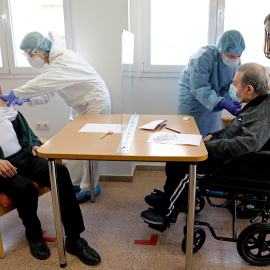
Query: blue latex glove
x=20, y=101
x=231, y=106
x=10, y=98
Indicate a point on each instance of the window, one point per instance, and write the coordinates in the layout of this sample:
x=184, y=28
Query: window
x=21, y=17
x=240, y=15
x=176, y=27
x=173, y=30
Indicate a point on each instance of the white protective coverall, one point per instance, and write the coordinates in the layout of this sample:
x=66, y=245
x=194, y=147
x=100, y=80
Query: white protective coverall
x=81, y=87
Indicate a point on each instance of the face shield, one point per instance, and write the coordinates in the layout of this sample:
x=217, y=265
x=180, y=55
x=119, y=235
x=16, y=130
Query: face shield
x=29, y=54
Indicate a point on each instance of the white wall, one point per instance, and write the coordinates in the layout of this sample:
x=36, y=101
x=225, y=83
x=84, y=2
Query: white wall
x=56, y=112
x=98, y=27
x=157, y=96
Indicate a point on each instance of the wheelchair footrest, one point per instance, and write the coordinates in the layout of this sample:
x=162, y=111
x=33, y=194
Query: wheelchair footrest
x=158, y=227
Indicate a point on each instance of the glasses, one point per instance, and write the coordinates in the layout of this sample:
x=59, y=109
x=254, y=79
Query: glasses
x=242, y=56
x=232, y=57
x=30, y=54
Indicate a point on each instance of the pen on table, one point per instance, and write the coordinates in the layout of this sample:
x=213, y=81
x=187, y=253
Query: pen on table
x=162, y=126
x=108, y=133
x=173, y=130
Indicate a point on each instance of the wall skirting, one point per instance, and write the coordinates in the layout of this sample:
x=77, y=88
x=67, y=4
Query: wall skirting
x=128, y=178
x=115, y=178
x=149, y=168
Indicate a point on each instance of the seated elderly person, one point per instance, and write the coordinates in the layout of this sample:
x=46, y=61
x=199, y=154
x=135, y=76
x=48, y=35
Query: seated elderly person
x=249, y=132
x=19, y=166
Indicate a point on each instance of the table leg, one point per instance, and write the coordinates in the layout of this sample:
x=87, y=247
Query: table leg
x=91, y=174
x=57, y=216
x=191, y=213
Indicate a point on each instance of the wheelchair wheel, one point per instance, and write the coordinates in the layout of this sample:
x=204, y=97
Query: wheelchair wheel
x=243, y=210
x=199, y=203
x=198, y=240
x=253, y=244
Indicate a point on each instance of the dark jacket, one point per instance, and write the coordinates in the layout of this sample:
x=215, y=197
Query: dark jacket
x=27, y=138
x=249, y=132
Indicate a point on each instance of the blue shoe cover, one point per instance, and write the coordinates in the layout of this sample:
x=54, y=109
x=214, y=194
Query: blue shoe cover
x=97, y=190
x=85, y=196
x=76, y=188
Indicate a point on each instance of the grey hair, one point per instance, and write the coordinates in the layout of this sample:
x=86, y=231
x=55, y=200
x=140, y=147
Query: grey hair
x=255, y=75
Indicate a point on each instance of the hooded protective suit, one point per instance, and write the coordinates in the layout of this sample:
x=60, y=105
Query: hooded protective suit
x=206, y=81
x=203, y=84
x=81, y=87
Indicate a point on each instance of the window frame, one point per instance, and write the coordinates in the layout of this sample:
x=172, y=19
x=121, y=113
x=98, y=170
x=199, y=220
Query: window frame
x=3, y=47
x=215, y=28
x=7, y=45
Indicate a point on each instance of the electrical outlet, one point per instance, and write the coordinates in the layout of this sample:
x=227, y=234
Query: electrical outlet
x=42, y=125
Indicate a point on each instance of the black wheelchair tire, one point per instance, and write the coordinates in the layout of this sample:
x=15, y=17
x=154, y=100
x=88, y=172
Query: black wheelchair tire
x=198, y=240
x=253, y=244
x=199, y=203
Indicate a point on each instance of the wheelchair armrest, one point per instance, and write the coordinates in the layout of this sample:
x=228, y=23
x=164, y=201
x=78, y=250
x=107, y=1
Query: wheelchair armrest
x=263, y=153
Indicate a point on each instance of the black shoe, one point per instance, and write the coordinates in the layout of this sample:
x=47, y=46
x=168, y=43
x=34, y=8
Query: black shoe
x=155, y=199
x=39, y=249
x=157, y=217
x=81, y=249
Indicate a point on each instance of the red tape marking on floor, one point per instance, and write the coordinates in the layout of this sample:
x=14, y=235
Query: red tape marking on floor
x=151, y=242
x=48, y=239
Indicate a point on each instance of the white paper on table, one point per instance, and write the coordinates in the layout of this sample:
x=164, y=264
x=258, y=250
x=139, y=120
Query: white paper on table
x=175, y=138
x=153, y=125
x=102, y=128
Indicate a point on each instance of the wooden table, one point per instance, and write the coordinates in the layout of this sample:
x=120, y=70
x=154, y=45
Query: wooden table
x=71, y=144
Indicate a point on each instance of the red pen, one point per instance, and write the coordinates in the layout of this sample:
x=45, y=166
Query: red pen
x=108, y=133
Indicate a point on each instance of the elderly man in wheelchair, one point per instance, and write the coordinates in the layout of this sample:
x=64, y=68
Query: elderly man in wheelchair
x=237, y=167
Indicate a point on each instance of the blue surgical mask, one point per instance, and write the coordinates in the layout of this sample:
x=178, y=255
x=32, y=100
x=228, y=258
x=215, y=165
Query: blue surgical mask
x=233, y=93
x=231, y=63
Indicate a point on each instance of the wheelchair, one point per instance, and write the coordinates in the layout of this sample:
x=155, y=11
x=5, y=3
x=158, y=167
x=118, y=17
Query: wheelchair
x=246, y=194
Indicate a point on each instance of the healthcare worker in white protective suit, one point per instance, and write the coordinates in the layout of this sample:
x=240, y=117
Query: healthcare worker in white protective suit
x=76, y=81
x=205, y=82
